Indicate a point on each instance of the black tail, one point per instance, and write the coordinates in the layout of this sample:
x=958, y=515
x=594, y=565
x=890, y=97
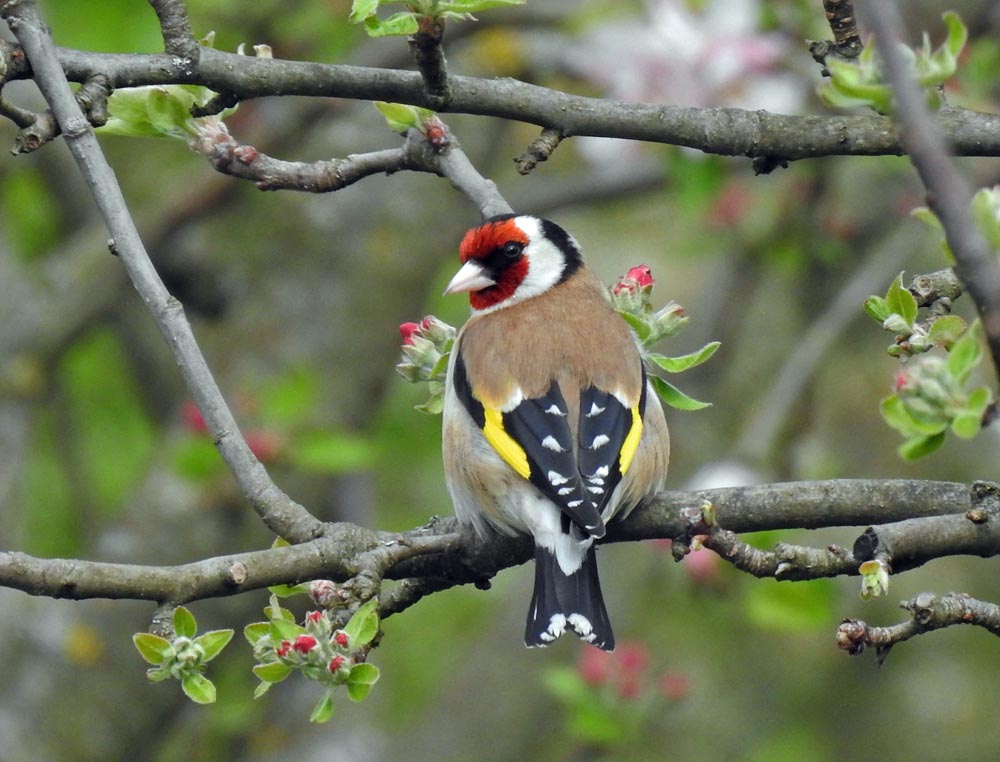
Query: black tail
x=571, y=603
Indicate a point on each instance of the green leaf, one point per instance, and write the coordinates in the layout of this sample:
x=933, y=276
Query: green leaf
x=674, y=397
x=169, y=112
x=213, y=642
x=360, y=681
x=979, y=400
x=151, y=647
x=401, y=117
x=475, y=6
x=198, y=688
x=254, y=632
x=899, y=417
x=287, y=591
x=878, y=308
x=272, y=672
x=282, y=629
x=965, y=353
x=967, y=425
x=946, y=330
x=918, y=447
x=261, y=689
x=900, y=301
x=685, y=362
x=363, y=626
x=185, y=625
x=127, y=115
x=362, y=9
x=642, y=330
x=323, y=711
x=928, y=217
x=402, y=23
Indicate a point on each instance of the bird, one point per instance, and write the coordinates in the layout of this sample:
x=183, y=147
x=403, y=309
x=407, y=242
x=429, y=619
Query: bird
x=550, y=425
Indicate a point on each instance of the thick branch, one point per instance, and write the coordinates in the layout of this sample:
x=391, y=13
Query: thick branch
x=729, y=132
x=439, y=555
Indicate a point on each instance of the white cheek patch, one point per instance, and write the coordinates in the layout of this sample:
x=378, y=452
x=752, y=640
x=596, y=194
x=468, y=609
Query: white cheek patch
x=546, y=261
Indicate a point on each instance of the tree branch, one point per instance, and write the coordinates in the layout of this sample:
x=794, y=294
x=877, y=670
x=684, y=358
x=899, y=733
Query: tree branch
x=948, y=194
x=440, y=555
x=724, y=131
x=928, y=612
x=279, y=512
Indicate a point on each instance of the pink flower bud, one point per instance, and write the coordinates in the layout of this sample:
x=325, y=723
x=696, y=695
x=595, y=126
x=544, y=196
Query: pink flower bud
x=336, y=663
x=304, y=644
x=325, y=593
x=340, y=638
x=901, y=381
x=284, y=648
x=314, y=616
x=406, y=330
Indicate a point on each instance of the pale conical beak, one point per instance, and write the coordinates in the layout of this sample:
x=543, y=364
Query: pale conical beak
x=471, y=277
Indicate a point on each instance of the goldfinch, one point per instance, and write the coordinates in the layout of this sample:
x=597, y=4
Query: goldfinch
x=550, y=425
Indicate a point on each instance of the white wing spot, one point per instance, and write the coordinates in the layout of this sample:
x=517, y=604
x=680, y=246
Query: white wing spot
x=555, y=478
x=550, y=443
x=600, y=473
x=563, y=491
x=595, y=480
x=576, y=504
x=599, y=441
x=595, y=410
x=596, y=490
x=553, y=409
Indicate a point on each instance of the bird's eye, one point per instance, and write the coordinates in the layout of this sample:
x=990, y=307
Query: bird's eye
x=512, y=249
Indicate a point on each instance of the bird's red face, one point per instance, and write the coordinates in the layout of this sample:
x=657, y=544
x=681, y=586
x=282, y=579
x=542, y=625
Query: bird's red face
x=511, y=258
x=493, y=255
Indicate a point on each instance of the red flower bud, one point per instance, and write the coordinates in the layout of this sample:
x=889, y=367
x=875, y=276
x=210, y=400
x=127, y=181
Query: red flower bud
x=336, y=663
x=340, y=638
x=314, y=616
x=406, y=330
x=642, y=275
x=304, y=644
x=284, y=648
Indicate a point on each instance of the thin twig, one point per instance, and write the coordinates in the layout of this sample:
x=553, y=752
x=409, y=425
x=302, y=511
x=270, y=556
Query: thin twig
x=540, y=150
x=281, y=514
x=928, y=612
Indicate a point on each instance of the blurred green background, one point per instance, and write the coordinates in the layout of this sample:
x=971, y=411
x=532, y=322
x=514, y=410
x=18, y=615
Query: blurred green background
x=296, y=300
